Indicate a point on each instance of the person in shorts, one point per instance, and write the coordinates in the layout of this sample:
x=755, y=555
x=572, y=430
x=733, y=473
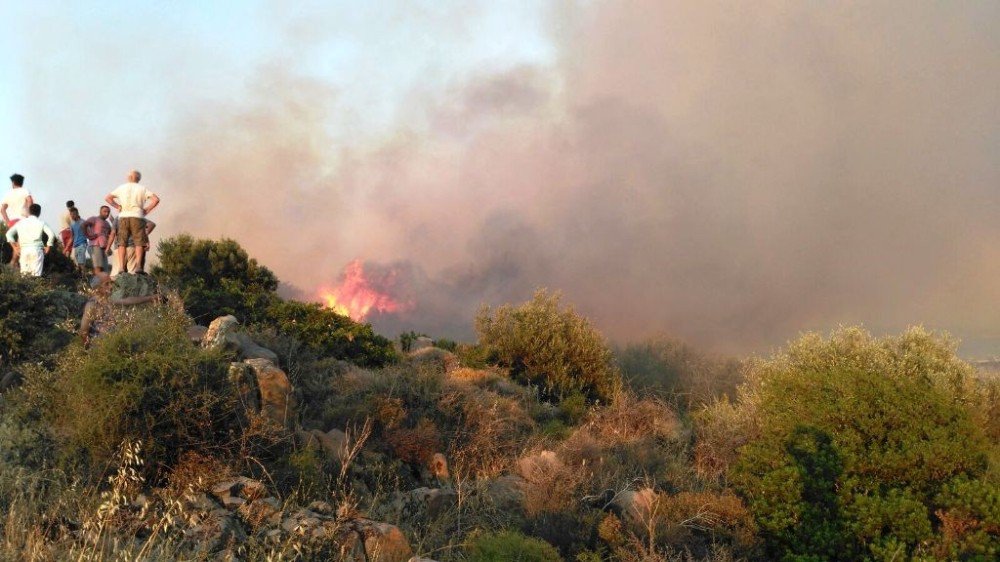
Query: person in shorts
x=97, y=229
x=133, y=202
x=79, y=250
x=132, y=264
x=28, y=237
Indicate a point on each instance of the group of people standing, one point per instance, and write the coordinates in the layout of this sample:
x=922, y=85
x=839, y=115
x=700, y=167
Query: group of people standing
x=126, y=234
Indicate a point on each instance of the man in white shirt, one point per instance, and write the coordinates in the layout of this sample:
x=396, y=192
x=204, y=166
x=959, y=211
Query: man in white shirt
x=133, y=202
x=14, y=205
x=28, y=232
x=132, y=265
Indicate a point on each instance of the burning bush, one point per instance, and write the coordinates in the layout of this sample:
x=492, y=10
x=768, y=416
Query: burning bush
x=543, y=343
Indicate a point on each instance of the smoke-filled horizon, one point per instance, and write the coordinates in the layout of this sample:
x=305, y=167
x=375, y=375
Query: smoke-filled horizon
x=730, y=174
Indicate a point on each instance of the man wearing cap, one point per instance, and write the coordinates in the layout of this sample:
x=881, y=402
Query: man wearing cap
x=14, y=205
x=29, y=232
x=133, y=202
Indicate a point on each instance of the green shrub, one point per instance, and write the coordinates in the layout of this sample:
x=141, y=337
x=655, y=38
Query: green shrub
x=215, y=278
x=509, y=546
x=858, y=446
x=144, y=380
x=34, y=318
x=543, y=343
x=446, y=344
x=329, y=334
x=678, y=371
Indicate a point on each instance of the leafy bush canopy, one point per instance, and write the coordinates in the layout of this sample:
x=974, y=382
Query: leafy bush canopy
x=330, y=334
x=143, y=380
x=543, y=343
x=678, y=371
x=218, y=277
x=32, y=314
x=215, y=278
x=856, y=447
x=510, y=545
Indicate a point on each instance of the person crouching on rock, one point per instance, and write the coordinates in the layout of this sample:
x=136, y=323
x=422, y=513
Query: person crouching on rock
x=29, y=243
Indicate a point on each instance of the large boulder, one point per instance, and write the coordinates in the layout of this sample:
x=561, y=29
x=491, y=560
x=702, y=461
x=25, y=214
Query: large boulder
x=423, y=503
x=133, y=285
x=277, y=400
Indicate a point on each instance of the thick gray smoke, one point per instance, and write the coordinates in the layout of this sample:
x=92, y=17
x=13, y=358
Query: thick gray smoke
x=729, y=173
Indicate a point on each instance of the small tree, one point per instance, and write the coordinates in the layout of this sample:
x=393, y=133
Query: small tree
x=544, y=343
x=860, y=448
x=215, y=278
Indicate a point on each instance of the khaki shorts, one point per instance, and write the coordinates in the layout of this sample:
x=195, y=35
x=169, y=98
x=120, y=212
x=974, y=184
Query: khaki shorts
x=134, y=229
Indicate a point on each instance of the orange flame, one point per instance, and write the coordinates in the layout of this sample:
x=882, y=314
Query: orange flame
x=357, y=295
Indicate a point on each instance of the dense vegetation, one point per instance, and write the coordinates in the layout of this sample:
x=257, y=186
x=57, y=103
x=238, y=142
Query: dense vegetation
x=848, y=447
x=217, y=277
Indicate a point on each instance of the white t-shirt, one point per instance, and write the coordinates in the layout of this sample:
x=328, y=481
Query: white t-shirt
x=15, y=200
x=29, y=233
x=132, y=196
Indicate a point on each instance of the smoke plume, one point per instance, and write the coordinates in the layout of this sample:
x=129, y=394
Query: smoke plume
x=730, y=173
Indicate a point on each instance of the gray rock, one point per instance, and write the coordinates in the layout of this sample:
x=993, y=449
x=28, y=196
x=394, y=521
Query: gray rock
x=234, y=492
x=196, y=333
x=219, y=330
x=333, y=443
x=634, y=506
x=249, y=349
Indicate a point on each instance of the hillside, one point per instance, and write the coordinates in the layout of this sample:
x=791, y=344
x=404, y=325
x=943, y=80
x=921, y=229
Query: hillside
x=219, y=421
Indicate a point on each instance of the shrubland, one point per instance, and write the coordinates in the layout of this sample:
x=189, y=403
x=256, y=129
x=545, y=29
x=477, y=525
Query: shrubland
x=536, y=442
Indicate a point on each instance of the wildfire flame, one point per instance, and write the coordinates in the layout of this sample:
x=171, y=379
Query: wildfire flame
x=359, y=293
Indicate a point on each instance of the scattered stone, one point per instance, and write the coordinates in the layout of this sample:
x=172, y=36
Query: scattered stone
x=196, y=333
x=216, y=531
x=249, y=349
x=382, y=542
x=234, y=492
x=333, y=443
x=634, y=505
x=507, y=492
x=10, y=380
x=277, y=401
x=218, y=331
x=423, y=502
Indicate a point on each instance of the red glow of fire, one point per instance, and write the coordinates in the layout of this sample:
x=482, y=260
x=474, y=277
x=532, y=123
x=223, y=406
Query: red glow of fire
x=356, y=295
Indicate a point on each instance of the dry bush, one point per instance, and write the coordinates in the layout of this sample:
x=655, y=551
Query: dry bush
x=486, y=431
x=629, y=420
x=196, y=472
x=415, y=445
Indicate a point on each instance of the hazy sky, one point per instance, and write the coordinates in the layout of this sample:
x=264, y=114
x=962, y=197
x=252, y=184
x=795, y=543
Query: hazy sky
x=731, y=173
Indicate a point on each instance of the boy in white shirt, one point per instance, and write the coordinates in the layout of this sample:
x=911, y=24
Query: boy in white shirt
x=29, y=244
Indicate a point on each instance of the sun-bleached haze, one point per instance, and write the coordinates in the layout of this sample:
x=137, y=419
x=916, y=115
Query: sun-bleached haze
x=729, y=173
